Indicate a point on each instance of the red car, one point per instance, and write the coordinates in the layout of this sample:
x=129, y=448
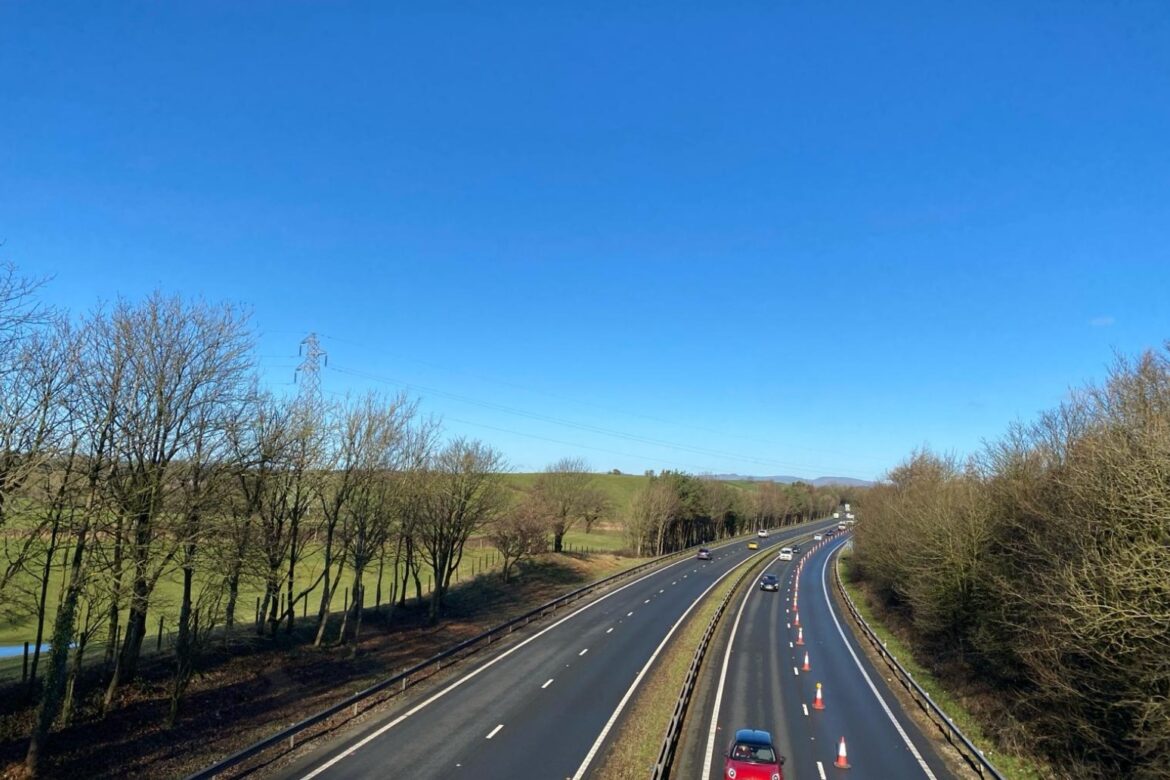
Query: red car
x=753, y=757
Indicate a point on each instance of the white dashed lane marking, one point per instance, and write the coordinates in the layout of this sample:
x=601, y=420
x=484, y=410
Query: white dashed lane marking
x=583, y=652
x=495, y=731
x=609, y=630
x=546, y=684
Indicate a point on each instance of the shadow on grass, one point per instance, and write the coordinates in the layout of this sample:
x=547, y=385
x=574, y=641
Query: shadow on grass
x=254, y=685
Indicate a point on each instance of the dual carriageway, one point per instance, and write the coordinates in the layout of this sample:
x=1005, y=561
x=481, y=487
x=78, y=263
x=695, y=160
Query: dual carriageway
x=550, y=704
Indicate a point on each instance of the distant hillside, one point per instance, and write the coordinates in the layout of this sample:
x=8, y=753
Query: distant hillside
x=786, y=480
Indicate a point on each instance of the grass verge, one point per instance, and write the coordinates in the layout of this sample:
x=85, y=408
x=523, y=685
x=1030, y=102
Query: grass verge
x=1014, y=767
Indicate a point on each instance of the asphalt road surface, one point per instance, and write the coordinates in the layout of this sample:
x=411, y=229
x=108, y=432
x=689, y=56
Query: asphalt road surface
x=545, y=707
x=755, y=679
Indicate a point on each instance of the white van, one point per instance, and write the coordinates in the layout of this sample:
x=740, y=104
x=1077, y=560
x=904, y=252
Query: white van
x=785, y=553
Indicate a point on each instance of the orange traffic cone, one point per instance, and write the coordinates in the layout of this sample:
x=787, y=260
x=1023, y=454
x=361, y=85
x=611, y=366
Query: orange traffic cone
x=842, y=761
x=806, y=667
x=799, y=637
x=819, y=701
x=796, y=622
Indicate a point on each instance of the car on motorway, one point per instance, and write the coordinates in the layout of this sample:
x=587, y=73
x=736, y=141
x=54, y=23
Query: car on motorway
x=704, y=554
x=795, y=548
x=770, y=582
x=753, y=545
x=818, y=537
x=752, y=756
x=785, y=554
x=762, y=533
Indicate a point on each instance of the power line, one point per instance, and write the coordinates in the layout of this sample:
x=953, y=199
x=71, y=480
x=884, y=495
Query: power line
x=570, y=399
x=575, y=425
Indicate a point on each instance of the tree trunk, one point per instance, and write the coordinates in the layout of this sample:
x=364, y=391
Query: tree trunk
x=63, y=630
x=233, y=589
x=46, y=572
x=184, y=644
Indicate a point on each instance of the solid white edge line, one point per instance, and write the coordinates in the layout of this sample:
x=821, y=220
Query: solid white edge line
x=889, y=713
x=710, y=752
x=580, y=773
x=475, y=672
x=494, y=731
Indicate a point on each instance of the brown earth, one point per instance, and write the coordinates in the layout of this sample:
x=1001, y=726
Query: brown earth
x=252, y=691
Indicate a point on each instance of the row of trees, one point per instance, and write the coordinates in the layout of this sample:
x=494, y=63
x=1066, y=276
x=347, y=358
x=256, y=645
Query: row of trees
x=675, y=510
x=136, y=448
x=1040, y=568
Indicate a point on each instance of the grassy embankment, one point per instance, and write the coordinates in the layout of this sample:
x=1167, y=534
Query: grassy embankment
x=1013, y=767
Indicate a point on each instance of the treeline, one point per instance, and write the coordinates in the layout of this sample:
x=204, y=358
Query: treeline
x=675, y=510
x=1041, y=568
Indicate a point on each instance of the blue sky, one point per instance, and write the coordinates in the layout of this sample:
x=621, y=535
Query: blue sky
x=786, y=237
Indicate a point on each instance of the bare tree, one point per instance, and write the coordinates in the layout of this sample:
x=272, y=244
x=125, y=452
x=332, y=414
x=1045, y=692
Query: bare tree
x=652, y=508
x=563, y=490
x=519, y=533
x=179, y=367
x=464, y=494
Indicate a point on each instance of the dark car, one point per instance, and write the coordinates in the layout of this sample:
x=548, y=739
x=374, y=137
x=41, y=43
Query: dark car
x=795, y=548
x=704, y=554
x=753, y=757
x=770, y=582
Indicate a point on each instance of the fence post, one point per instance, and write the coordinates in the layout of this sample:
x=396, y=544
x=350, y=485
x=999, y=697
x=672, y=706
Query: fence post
x=158, y=643
x=24, y=670
x=257, y=610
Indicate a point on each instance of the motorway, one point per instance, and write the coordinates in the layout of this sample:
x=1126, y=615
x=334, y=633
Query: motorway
x=544, y=707
x=755, y=679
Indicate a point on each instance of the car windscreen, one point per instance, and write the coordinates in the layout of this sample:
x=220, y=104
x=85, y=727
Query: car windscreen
x=761, y=754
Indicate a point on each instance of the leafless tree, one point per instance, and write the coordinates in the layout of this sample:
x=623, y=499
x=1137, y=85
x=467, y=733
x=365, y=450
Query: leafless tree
x=518, y=533
x=652, y=508
x=464, y=494
x=563, y=489
x=173, y=369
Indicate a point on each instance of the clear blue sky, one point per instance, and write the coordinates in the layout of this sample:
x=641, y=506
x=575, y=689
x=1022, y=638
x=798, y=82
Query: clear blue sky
x=780, y=237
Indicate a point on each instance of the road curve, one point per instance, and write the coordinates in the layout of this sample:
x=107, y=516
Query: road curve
x=539, y=707
x=755, y=678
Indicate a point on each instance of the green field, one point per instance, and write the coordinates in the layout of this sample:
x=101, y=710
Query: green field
x=18, y=626
x=619, y=487
x=479, y=557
